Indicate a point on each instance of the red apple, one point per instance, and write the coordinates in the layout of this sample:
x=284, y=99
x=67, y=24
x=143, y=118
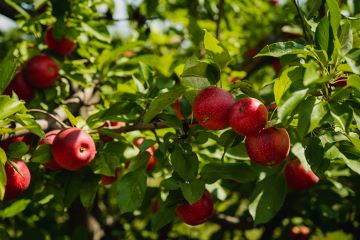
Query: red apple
x=63, y=46
x=154, y=206
x=28, y=139
x=341, y=82
x=274, y=2
x=41, y=71
x=176, y=107
x=251, y=52
x=268, y=147
x=16, y=183
x=151, y=150
x=108, y=180
x=211, y=108
x=49, y=139
x=276, y=65
x=110, y=125
x=248, y=116
x=198, y=212
x=300, y=233
x=20, y=87
x=297, y=178
x=73, y=149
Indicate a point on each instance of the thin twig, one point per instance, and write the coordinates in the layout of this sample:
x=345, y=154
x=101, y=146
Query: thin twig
x=63, y=125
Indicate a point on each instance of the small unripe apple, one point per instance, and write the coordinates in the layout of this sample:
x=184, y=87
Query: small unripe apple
x=300, y=233
x=110, y=125
x=151, y=150
x=198, y=212
x=211, y=108
x=16, y=183
x=28, y=139
x=41, y=71
x=268, y=147
x=51, y=164
x=62, y=46
x=297, y=178
x=73, y=149
x=248, y=116
x=176, y=107
x=108, y=180
x=20, y=87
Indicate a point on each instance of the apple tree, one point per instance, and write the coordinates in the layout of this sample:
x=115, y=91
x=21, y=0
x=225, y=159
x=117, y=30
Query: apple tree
x=180, y=119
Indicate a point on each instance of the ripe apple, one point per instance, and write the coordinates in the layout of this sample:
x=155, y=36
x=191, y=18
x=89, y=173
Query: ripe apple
x=20, y=87
x=299, y=233
x=211, y=108
x=28, y=139
x=268, y=147
x=63, y=46
x=108, y=180
x=73, y=149
x=276, y=65
x=154, y=206
x=110, y=125
x=198, y=212
x=274, y=2
x=248, y=116
x=151, y=150
x=297, y=178
x=176, y=107
x=49, y=139
x=41, y=71
x=16, y=183
x=251, y=52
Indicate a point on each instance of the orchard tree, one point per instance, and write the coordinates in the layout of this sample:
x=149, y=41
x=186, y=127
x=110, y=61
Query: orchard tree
x=201, y=120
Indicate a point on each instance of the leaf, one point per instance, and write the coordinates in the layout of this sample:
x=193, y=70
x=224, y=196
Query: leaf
x=346, y=38
x=73, y=120
x=18, y=9
x=10, y=106
x=193, y=191
x=164, y=216
x=267, y=198
x=299, y=151
x=15, y=208
x=106, y=161
x=2, y=173
x=199, y=74
x=353, y=60
x=89, y=187
x=304, y=120
x=280, y=49
x=130, y=191
x=322, y=34
x=17, y=149
x=282, y=84
x=353, y=164
x=335, y=15
x=186, y=164
x=318, y=113
x=342, y=114
x=171, y=183
x=162, y=101
x=229, y=137
x=291, y=103
x=95, y=32
x=140, y=162
x=311, y=74
x=216, y=51
x=314, y=154
x=239, y=172
x=72, y=184
x=7, y=70
x=353, y=81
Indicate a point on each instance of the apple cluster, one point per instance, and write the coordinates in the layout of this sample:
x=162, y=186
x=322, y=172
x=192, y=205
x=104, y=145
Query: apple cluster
x=40, y=71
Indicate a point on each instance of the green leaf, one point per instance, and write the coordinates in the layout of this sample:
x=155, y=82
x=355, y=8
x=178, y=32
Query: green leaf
x=318, y=113
x=171, y=183
x=280, y=49
x=10, y=106
x=299, y=151
x=322, y=34
x=228, y=137
x=311, y=74
x=342, y=114
x=2, y=173
x=164, y=216
x=88, y=189
x=186, y=164
x=72, y=184
x=239, y=172
x=193, y=191
x=314, y=154
x=353, y=60
x=163, y=101
x=305, y=111
x=106, y=161
x=198, y=74
x=131, y=190
x=18, y=9
x=140, y=162
x=346, y=38
x=216, y=51
x=42, y=154
x=267, y=198
x=291, y=103
x=17, y=150
x=7, y=70
x=335, y=15
x=73, y=120
x=282, y=84
x=353, y=81
x=91, y=30
x=15, y=208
